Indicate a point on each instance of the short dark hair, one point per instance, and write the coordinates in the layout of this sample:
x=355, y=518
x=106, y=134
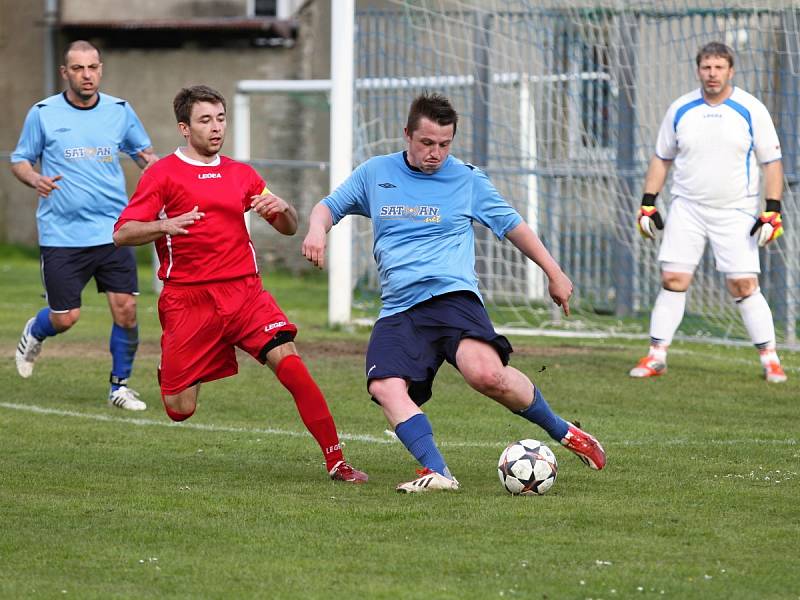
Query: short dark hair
x=189, y=96
x=83, y=46
x=435, y=107
x=717, y=49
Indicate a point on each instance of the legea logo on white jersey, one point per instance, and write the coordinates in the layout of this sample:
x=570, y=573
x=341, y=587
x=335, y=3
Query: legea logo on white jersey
x=210, y=176
x=274, y=325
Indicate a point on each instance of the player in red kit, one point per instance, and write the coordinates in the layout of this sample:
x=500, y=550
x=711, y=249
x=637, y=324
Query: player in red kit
x=192, y=205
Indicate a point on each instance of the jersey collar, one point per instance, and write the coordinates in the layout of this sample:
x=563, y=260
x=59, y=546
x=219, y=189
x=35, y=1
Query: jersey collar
x=197, y=163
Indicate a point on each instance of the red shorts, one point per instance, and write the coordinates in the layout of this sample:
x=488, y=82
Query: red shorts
x=204, y=324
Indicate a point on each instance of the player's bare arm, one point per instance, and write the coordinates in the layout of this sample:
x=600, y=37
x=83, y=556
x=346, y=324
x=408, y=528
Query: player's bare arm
x=276, y=211
x=656, y=175
x=136, y=233
x=43, y=184
x=145, y=158
x=559, y=286
x=319, y=224
x=773, y=180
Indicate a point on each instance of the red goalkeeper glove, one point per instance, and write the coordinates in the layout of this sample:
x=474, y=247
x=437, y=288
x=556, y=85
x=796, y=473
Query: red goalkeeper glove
x=648, y=219
x=769, y=226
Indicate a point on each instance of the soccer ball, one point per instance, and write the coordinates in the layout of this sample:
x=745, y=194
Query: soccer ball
x=527, y=468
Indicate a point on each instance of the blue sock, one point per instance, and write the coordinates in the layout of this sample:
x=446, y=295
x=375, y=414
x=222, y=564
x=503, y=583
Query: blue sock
x=42, y=327
x=539, y=412
x=122, y=344
x=417, y=436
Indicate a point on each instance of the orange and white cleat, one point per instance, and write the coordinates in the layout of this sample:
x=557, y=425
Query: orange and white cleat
x=773, y=373
x=648, y=366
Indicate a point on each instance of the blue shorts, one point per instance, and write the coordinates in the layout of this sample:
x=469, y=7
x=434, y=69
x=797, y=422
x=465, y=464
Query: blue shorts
x=66, y=271
x=413, y=344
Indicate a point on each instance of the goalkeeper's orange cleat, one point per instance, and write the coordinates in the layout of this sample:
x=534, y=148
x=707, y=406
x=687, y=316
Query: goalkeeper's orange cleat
x=648, y=367
x=773, y=373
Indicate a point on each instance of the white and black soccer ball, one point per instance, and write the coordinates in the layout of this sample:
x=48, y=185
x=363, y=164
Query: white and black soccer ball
x=527, y=468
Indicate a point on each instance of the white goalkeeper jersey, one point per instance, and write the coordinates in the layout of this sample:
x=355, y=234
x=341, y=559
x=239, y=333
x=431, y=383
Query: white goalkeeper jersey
x=717, y=150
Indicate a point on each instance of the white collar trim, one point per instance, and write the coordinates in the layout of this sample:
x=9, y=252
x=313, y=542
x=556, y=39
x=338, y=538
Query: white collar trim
x=197, y=163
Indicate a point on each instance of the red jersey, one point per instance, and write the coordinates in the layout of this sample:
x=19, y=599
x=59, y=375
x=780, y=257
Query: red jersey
x=218, y=246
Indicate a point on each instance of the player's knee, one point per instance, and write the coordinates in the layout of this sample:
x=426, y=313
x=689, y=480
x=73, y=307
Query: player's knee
x=176, y=415
x=742, y=288
x=63, y=321
x=489, y=381
x=378, y=389
x=125, y=316
x=675, y=282
x=176, y=409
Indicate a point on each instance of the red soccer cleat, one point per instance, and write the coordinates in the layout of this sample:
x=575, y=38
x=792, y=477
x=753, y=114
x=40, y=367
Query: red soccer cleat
x=585, y=447
x=342, y=471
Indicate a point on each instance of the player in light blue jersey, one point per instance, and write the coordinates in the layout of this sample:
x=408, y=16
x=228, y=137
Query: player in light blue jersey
x=76, y=138
x=423, y=203
x=719, y=138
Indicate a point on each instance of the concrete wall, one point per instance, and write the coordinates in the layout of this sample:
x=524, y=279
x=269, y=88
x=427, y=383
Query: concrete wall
x=21, y=84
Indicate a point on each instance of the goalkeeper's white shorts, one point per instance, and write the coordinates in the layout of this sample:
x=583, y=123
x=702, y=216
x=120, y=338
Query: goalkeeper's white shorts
x=689, y=225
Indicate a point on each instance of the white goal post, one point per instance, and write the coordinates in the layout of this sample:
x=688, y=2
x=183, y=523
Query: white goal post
x=340, y=90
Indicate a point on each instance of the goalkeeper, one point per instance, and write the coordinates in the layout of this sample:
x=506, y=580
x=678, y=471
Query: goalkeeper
x=423, y=203
x=716, y=136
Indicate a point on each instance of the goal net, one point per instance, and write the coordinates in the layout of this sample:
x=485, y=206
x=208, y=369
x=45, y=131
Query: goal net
x=560, y=104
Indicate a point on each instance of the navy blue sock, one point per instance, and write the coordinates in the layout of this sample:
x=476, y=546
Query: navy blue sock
x=122, y=344
x=42, y=327
x=417, y=436
x=539, y=412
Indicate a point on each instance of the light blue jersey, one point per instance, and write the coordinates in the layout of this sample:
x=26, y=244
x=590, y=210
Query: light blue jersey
x=424, y=244
x=83, y=146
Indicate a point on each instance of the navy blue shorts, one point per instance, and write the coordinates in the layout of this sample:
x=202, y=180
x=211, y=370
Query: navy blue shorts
x=66, y=271
x=413, y=344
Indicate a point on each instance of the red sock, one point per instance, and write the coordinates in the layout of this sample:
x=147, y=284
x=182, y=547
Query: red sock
x=311, y=405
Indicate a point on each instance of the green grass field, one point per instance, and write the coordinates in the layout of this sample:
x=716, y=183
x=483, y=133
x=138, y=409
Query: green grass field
x=699, y=498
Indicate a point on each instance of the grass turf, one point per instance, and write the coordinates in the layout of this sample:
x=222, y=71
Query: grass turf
x=699, y=499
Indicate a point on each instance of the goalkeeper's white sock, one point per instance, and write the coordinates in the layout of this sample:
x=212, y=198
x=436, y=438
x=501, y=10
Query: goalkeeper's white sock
x=757, y=318
x=664, y=320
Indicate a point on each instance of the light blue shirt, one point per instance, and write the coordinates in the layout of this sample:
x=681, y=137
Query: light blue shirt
x=424, y=243
x=83, y=146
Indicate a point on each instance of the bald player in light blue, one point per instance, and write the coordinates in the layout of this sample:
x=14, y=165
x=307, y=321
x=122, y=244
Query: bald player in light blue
x=76, y=138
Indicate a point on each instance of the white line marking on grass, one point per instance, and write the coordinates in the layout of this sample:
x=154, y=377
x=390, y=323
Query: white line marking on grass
x=184, y=425
x=388, y=438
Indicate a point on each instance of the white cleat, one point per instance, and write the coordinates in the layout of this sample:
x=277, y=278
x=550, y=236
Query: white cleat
x=427, y=481
x=28, y=350
x=126, y=398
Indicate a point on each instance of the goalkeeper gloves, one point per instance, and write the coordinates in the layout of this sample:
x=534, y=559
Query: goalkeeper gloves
x=648, y=219
x=768, y=226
